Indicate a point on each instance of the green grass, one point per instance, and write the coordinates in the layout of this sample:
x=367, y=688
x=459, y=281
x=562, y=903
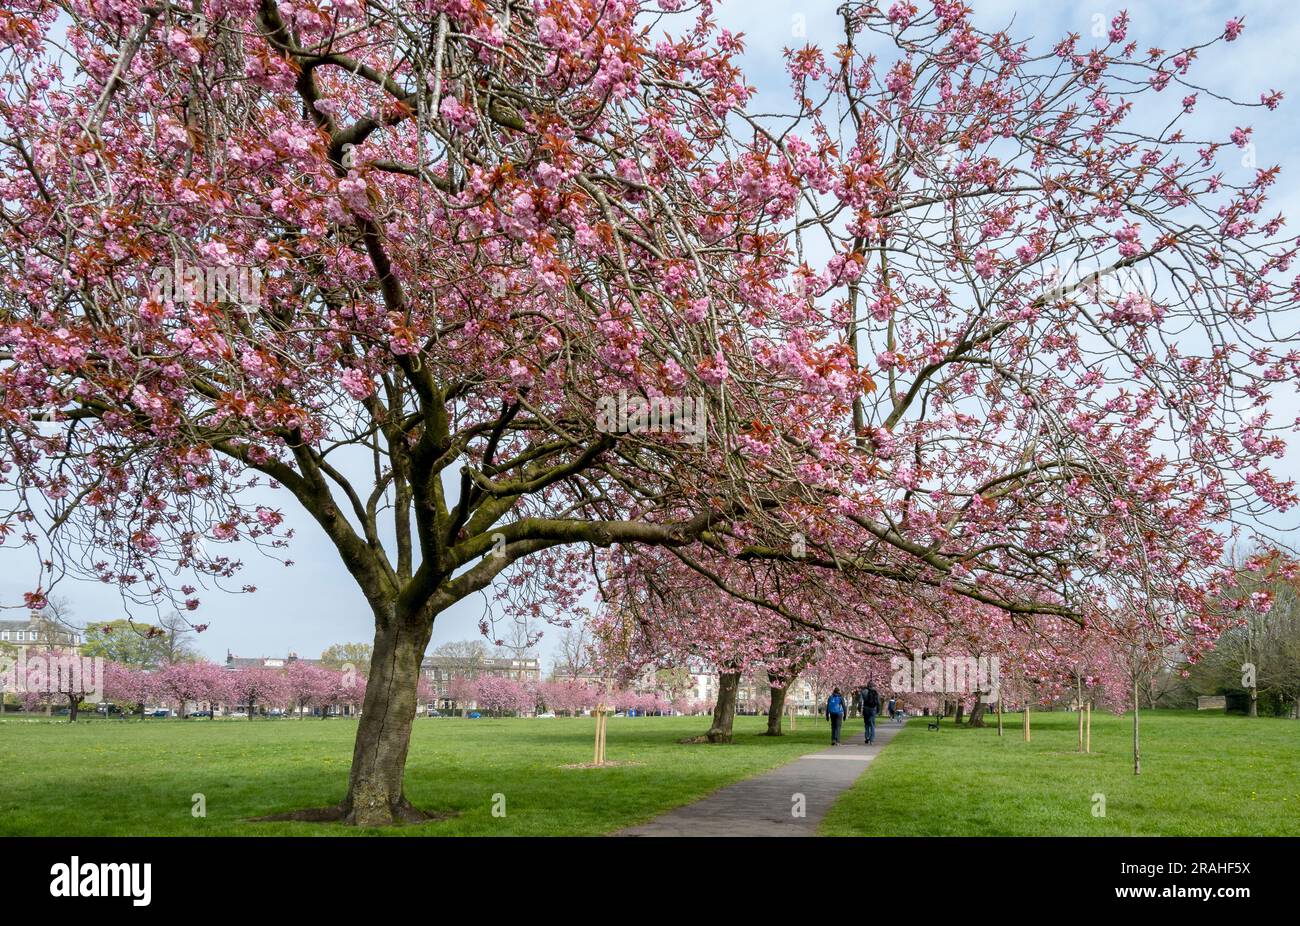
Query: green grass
x=132, y=777
x=1203, y=774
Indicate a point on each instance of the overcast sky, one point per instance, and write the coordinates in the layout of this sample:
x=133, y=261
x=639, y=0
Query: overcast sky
x=315, y=603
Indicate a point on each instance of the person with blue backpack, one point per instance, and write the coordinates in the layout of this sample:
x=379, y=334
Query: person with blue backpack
x=835, y=713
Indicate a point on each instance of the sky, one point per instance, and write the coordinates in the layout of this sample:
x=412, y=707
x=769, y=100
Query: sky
x=306, y=607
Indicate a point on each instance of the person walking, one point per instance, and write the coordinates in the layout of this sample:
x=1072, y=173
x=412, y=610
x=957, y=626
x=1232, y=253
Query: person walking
x=870, y=707
x=893, y=707
x=835, y=712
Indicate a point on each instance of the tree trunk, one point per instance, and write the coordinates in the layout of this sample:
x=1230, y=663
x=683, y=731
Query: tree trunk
x=74, y=702
x=999, y=714
x=961, y=709
x=375, y=793
x=1254, y=702
x=724, y=712
x=977, y=712
x=776, y=709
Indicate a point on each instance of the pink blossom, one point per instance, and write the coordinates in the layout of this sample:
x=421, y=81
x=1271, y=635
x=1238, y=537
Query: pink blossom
x=357, y=383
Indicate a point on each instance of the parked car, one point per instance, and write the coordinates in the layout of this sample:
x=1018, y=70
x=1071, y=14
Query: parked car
x=434, y=713
x=201, y=714
x=160, y=712
x=108, y=709
x=275, y=712
x=243, y=714
x=473, y=715
x=548, y=714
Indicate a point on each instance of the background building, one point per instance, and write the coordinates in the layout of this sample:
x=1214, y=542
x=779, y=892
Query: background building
x=442, y=671
x=38, y=631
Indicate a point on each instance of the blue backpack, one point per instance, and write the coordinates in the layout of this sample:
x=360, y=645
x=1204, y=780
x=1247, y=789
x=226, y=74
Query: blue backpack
x=835, y=705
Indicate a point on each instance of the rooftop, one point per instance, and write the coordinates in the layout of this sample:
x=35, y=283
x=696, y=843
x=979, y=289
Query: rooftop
x=265, y=662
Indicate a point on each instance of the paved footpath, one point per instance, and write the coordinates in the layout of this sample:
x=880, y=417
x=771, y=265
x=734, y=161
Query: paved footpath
x=762, y=806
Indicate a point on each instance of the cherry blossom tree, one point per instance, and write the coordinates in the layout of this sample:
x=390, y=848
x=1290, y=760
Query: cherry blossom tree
x=309, y=686
x=501, y=695
x=686, y=705
x=796, y=656
x=131, y=686
x=186, y=683
x=567, y=696
x=462, y=690
x=349, y=690
x=897, y=344
x=255, y=686
x=57, y=675
x=466, y=236
x=33, y=701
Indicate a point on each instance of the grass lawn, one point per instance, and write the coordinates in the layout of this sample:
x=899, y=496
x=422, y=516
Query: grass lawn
x=137, y=777
x=1203, y=774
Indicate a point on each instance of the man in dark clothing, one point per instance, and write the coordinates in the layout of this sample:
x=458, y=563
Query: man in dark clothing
x=870, y=702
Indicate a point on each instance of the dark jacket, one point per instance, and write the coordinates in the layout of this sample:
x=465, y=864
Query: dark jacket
x=870, y=700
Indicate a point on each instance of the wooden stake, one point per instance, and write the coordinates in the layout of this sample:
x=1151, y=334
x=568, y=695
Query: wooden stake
x=999, y=715
x=1137, y=751
x=1087, y=741
x=1026, y=721
x=1079, y=694
x=599, y=758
